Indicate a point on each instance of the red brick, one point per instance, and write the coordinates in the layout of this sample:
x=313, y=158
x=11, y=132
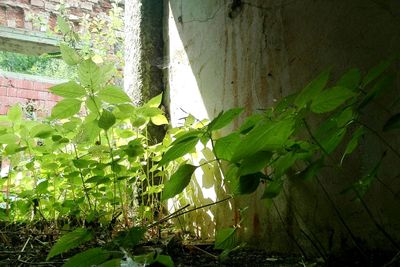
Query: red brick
x=39, y=86
x=3, y=20
x=46, y=86
x=27, y=84
x=16, y=83
x=50, y=104
x=3, y=110
x=4, y=100
x=12, y=91
x=4, y=81
x=54, y=97
x=27, y=94
x=14, y=100
x=43, y=95
x=3, y=90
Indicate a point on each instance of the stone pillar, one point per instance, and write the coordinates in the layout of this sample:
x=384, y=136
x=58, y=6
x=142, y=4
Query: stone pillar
x=143, y=48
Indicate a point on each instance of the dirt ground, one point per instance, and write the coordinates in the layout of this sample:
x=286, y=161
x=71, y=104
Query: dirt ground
x=22, y=245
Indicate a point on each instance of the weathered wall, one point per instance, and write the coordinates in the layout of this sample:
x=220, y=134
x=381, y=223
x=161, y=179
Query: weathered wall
x=26, y=89
x=143, y=48
x=40, y=15
x=24, y=24
x=222, y=56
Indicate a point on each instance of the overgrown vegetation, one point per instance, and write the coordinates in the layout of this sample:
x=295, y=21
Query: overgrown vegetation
x=92, y=169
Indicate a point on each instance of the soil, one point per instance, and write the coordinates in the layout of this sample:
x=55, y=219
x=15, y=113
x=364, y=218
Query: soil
x=23, y=245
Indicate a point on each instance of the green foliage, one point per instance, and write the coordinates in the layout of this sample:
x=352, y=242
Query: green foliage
x=69, y=241
x=226, y=238
x=45, y=65
x=130, y=238
x=282, y=143
x=88, y=258
x=178, y=181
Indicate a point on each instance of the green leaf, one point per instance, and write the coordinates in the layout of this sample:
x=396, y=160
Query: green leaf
x=224, y=147
x=266, y=136
x=351, y=79
x=134, y=148
x=283, y=163
x=93, y=103
x=12, y=149
x=165, y=260
x=70, y=241
x=224, y=118
x=42, y=187
x=8, y=138
x=329, y=135
x=344, y=117
x=250, y=122
x=107, y=119
x=247, y=184
x=273, y=188
x=178, y=150
x=226, y=238
x=312, y=90
x=88, y=132
x=113, y=95
x=69, y=90
x=88, y=258
x=69, y=55
x=254, y=163
x=66, y=108
x=178, y=181
x=392, y=123
x=375, y=72
x=353, y=143
x=186, y=136
x=63, y=25
x=330, y=99
x=362, y=186
x=41, y=131
x=311, y=170
x=14, y=114
x=131, y=237
x=107, y=71
x=149, y=111
x=155, y=102
x=159, y=120
x=380, y=86
x=89, y=74
x=111, y=263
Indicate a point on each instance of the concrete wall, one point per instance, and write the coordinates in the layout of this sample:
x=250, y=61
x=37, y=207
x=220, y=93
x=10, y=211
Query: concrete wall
x=249, y=55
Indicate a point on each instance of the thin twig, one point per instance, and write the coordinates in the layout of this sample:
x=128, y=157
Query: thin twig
x=205, y=252
x=23, y=248
x=378, y=225
x=397, y=153
x=178, y=214
x=288, y=233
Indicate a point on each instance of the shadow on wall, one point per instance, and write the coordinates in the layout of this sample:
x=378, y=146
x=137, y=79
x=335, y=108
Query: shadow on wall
x=226, y=54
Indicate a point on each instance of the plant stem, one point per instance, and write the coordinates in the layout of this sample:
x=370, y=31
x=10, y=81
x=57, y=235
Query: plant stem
x=327, y=194
x=397, y=153
x=378, y=225
x=178, y=213
x=287, y=231
x=85, y=191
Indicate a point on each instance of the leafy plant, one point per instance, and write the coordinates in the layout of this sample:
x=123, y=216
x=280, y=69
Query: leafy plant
x=282, y=143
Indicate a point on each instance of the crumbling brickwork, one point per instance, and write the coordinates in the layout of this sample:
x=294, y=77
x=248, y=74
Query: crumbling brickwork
x=26, y=89
x=41, y=15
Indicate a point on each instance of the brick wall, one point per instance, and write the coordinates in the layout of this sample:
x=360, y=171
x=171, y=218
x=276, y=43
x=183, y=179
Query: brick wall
x=27, y=90
x=26, y=14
